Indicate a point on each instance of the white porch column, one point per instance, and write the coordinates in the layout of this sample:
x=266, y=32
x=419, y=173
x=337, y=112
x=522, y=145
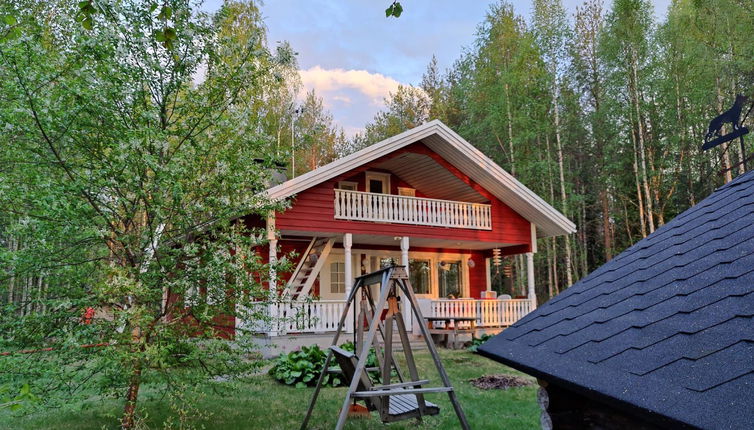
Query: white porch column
x=272, y=285
x=348, y=263
x=404, y=252
x=408, y=313
x=530, y=279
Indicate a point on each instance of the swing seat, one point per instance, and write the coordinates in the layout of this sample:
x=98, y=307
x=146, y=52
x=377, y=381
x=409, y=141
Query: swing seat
x=388, y=400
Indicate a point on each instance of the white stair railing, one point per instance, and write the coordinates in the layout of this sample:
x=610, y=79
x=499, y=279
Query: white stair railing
x=361, y=206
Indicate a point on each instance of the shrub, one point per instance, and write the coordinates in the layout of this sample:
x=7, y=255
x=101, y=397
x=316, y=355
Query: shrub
x=302, y=368
x=476, y=342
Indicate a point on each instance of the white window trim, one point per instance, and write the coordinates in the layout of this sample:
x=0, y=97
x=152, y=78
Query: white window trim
x=355, y=185
x=407, y=191
x=378, y=176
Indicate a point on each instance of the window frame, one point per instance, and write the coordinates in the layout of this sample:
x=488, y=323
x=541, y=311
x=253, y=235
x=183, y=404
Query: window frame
x=346, y=184
x=411, y=192
x=377, y=176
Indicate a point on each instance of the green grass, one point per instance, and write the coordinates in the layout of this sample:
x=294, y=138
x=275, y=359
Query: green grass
x=259, y=402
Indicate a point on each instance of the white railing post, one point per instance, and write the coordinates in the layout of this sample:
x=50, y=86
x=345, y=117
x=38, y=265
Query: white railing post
x=348, y=263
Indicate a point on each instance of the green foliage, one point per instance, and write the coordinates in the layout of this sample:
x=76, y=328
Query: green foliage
x=124, y=162
x=476, y=342
x=16, y=401
x=371, y=358
x=602, y=115
x=258, y=403
x=303, y=367
x=395, y=9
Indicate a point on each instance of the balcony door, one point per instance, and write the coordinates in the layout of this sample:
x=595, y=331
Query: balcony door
x=378, y=183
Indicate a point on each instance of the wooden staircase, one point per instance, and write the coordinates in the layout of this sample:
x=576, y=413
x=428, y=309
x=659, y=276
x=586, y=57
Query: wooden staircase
x=308, y=268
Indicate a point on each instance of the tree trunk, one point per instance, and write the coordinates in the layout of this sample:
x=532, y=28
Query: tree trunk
x=563, y=197
x=640, y=136
x=510, y=128
x=556, y=282
x=129, y=411
x=606, y=227
x=584, y=245
x=639, y=197
x=550, y=277
x=12, y=281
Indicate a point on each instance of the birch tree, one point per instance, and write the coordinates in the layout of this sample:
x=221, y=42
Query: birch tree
x=131, y=135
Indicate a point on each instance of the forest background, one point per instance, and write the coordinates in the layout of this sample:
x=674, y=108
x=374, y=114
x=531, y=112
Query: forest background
x=130, y=127
x=601, y=113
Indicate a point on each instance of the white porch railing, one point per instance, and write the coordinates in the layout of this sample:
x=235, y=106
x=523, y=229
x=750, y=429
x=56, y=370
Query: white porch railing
x=488, y=313
x=323, y=315
x=361, y=206
x=315, y=317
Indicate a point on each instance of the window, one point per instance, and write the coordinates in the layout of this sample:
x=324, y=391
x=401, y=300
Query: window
x=419, y=272
x=450, y=279
x=337, y=278
x=501, y=278
x=347, y=185
x=378, y=182
x=403, y=191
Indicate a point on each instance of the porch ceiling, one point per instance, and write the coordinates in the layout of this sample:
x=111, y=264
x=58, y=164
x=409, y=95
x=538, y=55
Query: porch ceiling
x=363, y=240
x=431, y=178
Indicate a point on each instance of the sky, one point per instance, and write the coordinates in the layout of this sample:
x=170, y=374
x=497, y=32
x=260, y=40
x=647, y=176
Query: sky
x=352, y=56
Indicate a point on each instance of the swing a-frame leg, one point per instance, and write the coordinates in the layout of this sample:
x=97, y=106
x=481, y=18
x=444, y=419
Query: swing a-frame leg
x=393, y=401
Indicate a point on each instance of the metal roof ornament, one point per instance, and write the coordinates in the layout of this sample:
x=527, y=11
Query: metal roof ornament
x=714, y=136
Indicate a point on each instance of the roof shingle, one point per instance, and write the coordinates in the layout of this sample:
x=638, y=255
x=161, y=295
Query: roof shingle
x=666, y=328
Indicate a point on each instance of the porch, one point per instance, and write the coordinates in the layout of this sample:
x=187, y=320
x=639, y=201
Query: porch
x=322, y=316
x=452, y=278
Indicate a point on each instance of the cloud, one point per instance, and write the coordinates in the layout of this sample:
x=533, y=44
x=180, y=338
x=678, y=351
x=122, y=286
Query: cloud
x=342, y=99
x=331, y=84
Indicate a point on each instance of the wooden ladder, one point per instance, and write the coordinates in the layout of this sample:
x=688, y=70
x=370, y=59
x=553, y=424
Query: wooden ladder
x=308, y=268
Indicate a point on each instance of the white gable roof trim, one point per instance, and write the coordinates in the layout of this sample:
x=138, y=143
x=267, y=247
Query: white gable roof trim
x=457, y=151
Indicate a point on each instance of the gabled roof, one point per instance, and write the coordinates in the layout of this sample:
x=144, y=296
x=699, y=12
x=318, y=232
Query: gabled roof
x=457, y=151
x=665, y=329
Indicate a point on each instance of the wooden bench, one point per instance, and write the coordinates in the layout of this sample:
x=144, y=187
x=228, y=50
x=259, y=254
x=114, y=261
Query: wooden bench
x=450, y=333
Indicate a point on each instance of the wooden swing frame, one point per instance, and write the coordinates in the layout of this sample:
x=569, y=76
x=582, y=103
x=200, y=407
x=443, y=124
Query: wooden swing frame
x=392, y=280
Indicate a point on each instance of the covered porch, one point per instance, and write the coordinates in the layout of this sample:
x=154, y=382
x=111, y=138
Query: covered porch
x=451, y=278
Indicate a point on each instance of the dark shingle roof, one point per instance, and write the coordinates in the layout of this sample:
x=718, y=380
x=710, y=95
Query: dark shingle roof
x=665, y=329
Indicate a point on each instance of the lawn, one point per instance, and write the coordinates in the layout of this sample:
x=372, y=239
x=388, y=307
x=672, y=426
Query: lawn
x=259, y=402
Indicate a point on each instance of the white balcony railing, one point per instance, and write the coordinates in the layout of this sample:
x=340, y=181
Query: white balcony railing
x=360, y=206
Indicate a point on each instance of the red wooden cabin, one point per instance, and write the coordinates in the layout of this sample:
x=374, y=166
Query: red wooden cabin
x=426, y=199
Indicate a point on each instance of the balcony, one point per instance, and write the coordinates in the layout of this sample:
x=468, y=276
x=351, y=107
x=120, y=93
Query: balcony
x=387, y=208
